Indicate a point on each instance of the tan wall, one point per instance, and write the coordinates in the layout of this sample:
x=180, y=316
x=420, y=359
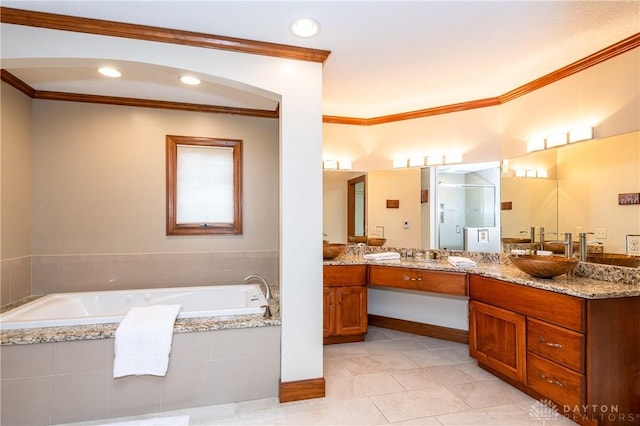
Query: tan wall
x=15, y=195
x=99, y=179
x=402, y=185
x=16, y=173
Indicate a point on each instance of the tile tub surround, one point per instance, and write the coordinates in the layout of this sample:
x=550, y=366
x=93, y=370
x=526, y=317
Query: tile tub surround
x=15, y=279
x=72, y=380
x=89, y=272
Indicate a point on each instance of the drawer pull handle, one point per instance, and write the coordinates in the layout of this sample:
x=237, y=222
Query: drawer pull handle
x=553, y=345
x=406, y=278
x=549, y=380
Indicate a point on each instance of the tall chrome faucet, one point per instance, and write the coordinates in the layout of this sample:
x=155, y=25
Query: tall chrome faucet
x=568, y=241
x=267, y=292
x=583, y=245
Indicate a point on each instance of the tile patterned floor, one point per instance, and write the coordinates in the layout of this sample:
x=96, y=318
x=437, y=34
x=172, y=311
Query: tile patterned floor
x=391, y=378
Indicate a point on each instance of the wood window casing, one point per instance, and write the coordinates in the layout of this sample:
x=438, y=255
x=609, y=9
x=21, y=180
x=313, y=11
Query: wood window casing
x=232, y=227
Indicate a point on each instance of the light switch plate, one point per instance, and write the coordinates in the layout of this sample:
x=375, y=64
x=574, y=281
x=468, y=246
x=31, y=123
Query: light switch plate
x=600, y=233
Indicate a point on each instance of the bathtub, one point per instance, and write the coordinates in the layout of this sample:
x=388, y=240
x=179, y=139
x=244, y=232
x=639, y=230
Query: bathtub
x=100, y=307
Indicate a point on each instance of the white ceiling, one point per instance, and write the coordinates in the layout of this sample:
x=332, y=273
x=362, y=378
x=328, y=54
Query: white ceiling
x=387, y=57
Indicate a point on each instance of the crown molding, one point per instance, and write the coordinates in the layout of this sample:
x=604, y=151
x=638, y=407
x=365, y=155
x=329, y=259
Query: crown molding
x=600, y=56
x=14, y=81
x=142, y=32
x=158, y=34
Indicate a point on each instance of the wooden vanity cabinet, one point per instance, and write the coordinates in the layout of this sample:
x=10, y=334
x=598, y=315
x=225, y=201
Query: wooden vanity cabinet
x=454, y=283
x=582, y=354
x=345, y=303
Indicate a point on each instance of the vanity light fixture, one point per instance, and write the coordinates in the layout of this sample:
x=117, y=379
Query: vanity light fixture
x=190, y=80
x=400, y=162
x=531, y=173
x=305, y=27
x=344, y=165
x=453, y=158
x=535, y=144
x=330, y=164
x=581, y=133
x=416, y=161
x=109, y=72
x=336, y=165
x=556, y=139
x=433, y=160
x=520, y=173
x=542, y=173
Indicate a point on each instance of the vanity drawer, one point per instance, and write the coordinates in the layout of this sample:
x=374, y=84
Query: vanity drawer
x=556, y=343
x=557, y=308
x=416, y=279
x=341, y=275
x=553, y=381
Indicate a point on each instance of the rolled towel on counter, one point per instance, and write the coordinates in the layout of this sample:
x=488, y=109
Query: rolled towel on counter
x=388, y=255
x=461, y=262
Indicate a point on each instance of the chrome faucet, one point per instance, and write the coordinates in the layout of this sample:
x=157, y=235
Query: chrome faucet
x=267, y=291
x=542, y=234
x=568, y=241
x=583, y=245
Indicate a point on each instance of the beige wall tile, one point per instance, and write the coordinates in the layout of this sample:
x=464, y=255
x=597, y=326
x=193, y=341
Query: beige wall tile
x=79, y=397
x=20, y=361
x=25, y=401
x=133, y=395
x=82, y=356
x=187, y=385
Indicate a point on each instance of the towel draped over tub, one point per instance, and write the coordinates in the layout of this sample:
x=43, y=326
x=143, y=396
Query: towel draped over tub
x=143, y=340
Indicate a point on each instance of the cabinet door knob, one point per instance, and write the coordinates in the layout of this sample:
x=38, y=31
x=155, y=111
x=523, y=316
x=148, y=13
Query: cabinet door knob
x=553, y=345
x=550, y=380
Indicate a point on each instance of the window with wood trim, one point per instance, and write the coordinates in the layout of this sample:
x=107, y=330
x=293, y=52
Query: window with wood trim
x=204, y=186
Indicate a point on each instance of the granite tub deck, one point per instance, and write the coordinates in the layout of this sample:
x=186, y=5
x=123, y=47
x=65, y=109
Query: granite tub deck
x=107, y=331
x=600, y=282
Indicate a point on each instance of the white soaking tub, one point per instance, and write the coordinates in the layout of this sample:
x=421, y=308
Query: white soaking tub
x=100, y=307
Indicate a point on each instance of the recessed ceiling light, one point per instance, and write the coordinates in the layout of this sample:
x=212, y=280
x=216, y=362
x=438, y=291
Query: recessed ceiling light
x=190, y=80
x=305, y=27
x=109, y=72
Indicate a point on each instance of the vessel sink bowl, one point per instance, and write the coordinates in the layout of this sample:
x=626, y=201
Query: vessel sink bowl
x=543, y=266
x=332, y=250
x=357, y=239
x=615, y=259
x=560, y=248
x=376, y=241
x=507, y=240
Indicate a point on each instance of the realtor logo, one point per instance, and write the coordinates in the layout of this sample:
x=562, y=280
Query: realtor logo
x=543, y=410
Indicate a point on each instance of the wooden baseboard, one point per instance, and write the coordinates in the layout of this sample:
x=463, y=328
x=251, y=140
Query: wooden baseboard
x=331, y=340
x=437, y=331
x=302, y=389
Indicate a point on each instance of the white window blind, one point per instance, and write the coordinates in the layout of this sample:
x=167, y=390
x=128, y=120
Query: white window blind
x=204, y=185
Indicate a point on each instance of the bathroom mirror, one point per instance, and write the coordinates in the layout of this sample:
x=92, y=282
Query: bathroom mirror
x=579, y=194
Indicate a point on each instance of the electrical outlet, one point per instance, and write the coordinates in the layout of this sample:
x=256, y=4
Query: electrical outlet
x=600, y=233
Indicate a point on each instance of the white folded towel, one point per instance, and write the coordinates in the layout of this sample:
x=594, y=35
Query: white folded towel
x=143, y=340
x=461, y=262
x=387, y=255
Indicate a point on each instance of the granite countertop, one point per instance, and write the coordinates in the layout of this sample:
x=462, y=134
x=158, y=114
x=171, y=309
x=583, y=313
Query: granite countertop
x=611, y=282
x=107, y=331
